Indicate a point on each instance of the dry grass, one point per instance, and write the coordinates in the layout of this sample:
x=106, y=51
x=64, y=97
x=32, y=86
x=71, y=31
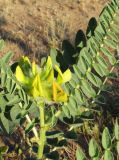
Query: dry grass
x=33, y=26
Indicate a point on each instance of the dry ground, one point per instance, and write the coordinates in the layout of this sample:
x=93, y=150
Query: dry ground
x=33, y=26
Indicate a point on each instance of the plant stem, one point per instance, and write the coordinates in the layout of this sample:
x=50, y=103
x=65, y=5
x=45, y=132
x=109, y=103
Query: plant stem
x=42, y=133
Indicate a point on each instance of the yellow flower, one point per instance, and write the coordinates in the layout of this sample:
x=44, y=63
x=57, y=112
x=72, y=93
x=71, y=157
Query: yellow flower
x=58, y=93
x=40, y=82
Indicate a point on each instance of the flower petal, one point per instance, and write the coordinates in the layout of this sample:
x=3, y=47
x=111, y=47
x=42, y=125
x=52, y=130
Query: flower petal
x=66, y=76
x=37, y=85
x=20, y=76
x=63, y=77
x=47, y=73
x=60, y=75
x=25, y=59
x=34, y=68
x=58, y=93
x=34, y=92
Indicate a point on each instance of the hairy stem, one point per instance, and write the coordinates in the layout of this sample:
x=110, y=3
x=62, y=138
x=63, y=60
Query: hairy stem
x=42, y=133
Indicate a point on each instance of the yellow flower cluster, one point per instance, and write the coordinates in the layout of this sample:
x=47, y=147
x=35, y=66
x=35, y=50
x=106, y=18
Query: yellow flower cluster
x=41, y=82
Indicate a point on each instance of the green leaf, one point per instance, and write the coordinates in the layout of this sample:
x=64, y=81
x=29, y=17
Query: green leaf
x=100, y=31
x=9, y=84
x=13, y=100
x=106, y=139
x=77, y=123
x=93, y=148
x=54, y=134
x=80, y=155
x=113, y=36
x=79, y=96
x=73, y=83
x=107, y=53
x=101, y=61
x=13, y=87
x=3, y=78
x=95, y=80
x=75, y=78
x=102, y=28
x=104, y=20
x=109, y=13
x=112, y=60
x=7, y=57
x=116, y=18
x=87, y=56
x=4, y=122
x=66, y=110
x=14, y=112
x=72, y=106
x=98, y=36
x=67, y=87
x=23, y=96
x=115, y=28
x=110, y=43
x=81, y=44
x=87, y=89
x=92, y=48
x=108, y=155
x=3, y=102
x=116, y=130
x=111, y=8
x=95, y=43
x=77, y=71
x=83, y=64
x=100, y=69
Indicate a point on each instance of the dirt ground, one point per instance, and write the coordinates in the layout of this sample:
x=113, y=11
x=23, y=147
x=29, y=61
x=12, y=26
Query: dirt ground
x=33, y=26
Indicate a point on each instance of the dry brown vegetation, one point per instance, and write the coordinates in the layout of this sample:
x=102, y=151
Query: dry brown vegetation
x=33, y=26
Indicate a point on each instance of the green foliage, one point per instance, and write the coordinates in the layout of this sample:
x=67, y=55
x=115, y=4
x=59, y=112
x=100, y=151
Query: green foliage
x=80, y=155
x=106, y=139
x=14, y=103
x=108, y=155
x=92, y=61
x=94, y=65
x=95, y=149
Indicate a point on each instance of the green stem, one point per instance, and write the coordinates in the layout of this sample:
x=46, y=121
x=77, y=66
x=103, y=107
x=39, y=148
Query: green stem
x=42, y=133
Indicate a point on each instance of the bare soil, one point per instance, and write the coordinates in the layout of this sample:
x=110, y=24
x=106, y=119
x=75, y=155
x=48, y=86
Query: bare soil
x=33, y=26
